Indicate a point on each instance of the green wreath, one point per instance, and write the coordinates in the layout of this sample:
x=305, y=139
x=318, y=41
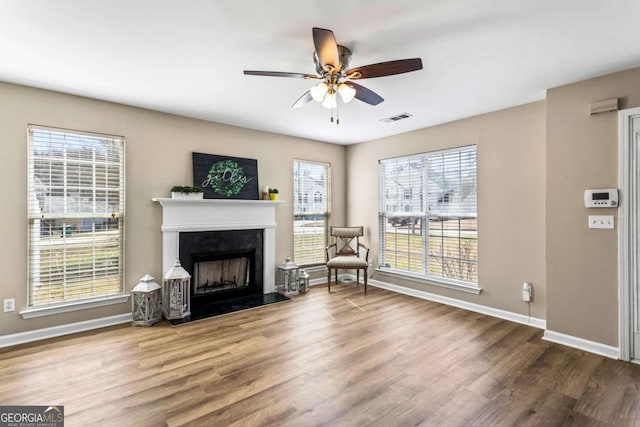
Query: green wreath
x=227, y=178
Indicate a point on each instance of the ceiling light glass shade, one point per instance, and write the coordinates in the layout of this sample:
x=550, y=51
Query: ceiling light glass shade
x=330, y=101
x=318, y=92
x=346, y=92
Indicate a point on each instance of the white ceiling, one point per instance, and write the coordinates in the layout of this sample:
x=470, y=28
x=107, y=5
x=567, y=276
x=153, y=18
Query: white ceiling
x=187, y=56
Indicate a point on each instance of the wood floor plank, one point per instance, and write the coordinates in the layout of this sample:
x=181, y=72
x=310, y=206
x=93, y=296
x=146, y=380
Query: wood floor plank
x=613, y=394
x=327, y=359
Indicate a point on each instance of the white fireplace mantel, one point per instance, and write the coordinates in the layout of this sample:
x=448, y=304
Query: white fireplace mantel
x=182, y=215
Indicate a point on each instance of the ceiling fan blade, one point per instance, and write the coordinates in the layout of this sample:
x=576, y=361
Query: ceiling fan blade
x=366, y=95
x=326, y=48
x=280, y=74
x=388, y=68
x=303, y=100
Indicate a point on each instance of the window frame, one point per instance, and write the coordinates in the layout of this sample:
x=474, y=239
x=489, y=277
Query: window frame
x=102, y=212
x=424, y=217
x=326, y=214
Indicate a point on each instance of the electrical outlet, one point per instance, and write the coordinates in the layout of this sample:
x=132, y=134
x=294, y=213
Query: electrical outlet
x=9, y=305
x=527, y=291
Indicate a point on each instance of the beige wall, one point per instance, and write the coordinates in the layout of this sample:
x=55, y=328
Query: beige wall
x=582, y=153
x=511, y=222
x=158, y=156
x=534, y=163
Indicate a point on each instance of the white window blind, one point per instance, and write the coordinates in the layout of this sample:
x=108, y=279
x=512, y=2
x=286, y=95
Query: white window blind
x=428, y=214
x=76, y=216
x=311, y=206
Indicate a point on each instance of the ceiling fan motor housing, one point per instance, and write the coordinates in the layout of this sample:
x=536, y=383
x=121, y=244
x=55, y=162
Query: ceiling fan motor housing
x=344, y=54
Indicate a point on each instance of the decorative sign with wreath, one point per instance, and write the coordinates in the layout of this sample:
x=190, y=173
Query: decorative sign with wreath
x=224, y=177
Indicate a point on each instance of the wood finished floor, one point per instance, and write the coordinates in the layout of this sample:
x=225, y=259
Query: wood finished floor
x=336, y=359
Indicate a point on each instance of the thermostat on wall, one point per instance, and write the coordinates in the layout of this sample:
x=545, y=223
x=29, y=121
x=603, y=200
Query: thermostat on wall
x=604, y=198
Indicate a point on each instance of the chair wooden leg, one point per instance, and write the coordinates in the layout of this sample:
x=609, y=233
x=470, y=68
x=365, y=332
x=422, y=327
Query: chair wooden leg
x=365, y=281
x=358, y=277
x=329, y=280
x=336, y=275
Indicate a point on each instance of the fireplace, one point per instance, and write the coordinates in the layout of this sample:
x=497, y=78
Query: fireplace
x=223, y=264
x=200, y=227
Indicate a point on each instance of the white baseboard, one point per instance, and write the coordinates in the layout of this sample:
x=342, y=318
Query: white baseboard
x=582, y=344
x=318, y=281
x=494, y=312
x=56, y=331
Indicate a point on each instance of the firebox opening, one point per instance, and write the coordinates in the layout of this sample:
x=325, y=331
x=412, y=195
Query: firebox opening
x=215, y=275
x=220, y=276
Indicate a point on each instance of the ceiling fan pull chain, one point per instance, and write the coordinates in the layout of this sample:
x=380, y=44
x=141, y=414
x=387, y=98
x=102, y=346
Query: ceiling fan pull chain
x=337, y=115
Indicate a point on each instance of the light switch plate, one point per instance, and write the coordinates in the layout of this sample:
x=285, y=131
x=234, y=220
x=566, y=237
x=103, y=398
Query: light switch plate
x=601, y=221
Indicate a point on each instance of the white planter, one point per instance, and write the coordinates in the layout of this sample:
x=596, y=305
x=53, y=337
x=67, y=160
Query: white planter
x=175, y=195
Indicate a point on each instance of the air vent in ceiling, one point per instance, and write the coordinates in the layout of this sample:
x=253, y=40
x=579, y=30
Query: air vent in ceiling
x=396, y=118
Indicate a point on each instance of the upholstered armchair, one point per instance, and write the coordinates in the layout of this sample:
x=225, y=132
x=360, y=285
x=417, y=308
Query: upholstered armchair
x=341, y=255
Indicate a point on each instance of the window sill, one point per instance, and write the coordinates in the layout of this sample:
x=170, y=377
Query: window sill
x=73, y=306
x=456, y=285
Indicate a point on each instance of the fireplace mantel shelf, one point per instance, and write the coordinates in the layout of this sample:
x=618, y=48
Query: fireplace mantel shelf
x=217, y=214
x=168, y=201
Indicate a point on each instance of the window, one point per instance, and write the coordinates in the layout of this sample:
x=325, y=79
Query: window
x=310, y=214
x=76, y=216
x=428, y=215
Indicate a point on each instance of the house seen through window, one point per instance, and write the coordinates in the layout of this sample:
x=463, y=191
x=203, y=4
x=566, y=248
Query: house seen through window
x=428, y=215
x=76, y=216
x=311, y=207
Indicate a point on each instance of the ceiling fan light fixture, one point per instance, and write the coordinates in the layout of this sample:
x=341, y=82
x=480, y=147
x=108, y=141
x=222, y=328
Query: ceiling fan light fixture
x=347, y=92
x=318, y=92
x=330, y=101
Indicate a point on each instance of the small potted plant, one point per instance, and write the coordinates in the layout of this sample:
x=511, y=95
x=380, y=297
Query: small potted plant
x=273, y=194
x=186, y=192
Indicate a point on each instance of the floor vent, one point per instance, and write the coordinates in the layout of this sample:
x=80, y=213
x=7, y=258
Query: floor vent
x=396, y=118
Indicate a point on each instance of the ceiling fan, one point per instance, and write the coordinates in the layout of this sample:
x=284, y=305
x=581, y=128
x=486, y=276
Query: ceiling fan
x=332, y=62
